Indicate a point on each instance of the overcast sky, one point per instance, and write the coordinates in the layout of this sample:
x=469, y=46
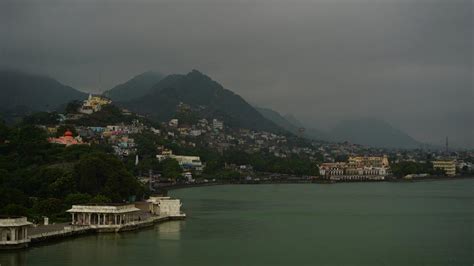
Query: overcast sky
x=409, y=62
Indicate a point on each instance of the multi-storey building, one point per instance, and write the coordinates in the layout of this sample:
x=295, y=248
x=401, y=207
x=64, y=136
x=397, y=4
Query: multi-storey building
x=446, y=165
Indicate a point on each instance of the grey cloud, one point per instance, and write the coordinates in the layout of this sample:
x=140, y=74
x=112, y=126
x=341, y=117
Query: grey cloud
x=407, y=61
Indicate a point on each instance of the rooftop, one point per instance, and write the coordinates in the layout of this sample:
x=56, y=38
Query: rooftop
x=104, y=208
x=13, y=221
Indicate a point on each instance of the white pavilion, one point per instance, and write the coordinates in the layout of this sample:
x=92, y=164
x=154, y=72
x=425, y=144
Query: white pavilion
x=14, y=232
x=104, y=216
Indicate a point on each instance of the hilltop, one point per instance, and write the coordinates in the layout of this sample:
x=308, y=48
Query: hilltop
x=372, y=132
x=206, y=97
x=34, y=92
x=136, y=87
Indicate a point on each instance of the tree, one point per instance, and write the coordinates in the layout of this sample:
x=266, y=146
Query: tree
x=12, y=196
x=42, y=118
x=4, y=132
x=104, y=174
x=100, y=199
x=73, y=107
x=29, y=142
x=341, y=158
x=14, y=209
x=213, y=166
x=171, y=168
x=77, y=198
x=49, y=207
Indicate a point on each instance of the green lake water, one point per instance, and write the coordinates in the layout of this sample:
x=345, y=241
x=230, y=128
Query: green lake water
x=420, y=223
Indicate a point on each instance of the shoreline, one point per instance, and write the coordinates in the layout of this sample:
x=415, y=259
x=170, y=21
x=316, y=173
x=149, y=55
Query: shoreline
x=69, y=232
x=307, y=181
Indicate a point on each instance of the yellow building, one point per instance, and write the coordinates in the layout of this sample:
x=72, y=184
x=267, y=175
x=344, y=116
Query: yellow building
x=448, y=166
x=94, y=104
x=369, y=161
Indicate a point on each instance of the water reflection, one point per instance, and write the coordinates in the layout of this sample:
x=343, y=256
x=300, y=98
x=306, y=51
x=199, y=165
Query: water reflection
x=13, y=258
x=287, y=225
x=170, y=230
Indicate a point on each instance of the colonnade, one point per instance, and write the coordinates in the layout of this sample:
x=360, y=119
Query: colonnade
x=85, y=218
x=12, y=234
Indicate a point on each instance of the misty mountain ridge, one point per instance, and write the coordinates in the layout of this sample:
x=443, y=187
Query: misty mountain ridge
x=136, y=87
x=201, y=93
x=372, y=132
x=151, y=94
x=293, y=125
x=34, y=92
x=364, y=131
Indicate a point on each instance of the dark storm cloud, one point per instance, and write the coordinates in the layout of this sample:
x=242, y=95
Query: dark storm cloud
x=407, y=61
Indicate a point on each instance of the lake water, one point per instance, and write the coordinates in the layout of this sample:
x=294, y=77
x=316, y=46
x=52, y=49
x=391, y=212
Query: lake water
x=422, y=223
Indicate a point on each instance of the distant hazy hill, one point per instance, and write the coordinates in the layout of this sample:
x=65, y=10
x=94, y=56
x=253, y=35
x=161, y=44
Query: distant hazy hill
x=372, y=132
x=136, y=87
x=276, y=118
x=202, y=94
x=293, y=120
x=34, y=92
x=290, y=123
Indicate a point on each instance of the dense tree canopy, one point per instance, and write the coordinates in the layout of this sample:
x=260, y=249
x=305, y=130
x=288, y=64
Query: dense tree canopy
x=42, y=179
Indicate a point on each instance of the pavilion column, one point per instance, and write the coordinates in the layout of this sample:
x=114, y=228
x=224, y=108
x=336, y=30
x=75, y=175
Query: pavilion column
x=72, y=218
x=89, y=217
x=13, y=234
x=115, y=219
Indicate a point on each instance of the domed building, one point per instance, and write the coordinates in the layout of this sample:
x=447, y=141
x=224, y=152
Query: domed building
x=67, y=139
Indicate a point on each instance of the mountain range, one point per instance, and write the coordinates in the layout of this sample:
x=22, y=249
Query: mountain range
x=204, y=95
x=365, y=131
x=22, y=90
x=291, y=124
x=158, y=97
x=136, y=87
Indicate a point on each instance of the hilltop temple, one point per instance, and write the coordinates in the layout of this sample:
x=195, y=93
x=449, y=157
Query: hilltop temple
x=94, y=104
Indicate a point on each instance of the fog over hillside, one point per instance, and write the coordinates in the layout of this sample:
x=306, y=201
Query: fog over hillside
x=406, y=62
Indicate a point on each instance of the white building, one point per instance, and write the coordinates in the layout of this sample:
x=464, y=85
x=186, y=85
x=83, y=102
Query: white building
x=14, y=232
x=449, y=166
x=173, y=122
x=186, y=162
x=350, y=171
x=217, y=125
x=107, y=216
x=155, y=130
x=165, y=206
x=195, y=132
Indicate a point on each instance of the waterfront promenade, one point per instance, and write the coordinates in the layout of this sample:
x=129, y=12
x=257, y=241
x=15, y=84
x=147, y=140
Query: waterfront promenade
x=54, y=232
x=17, y=232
